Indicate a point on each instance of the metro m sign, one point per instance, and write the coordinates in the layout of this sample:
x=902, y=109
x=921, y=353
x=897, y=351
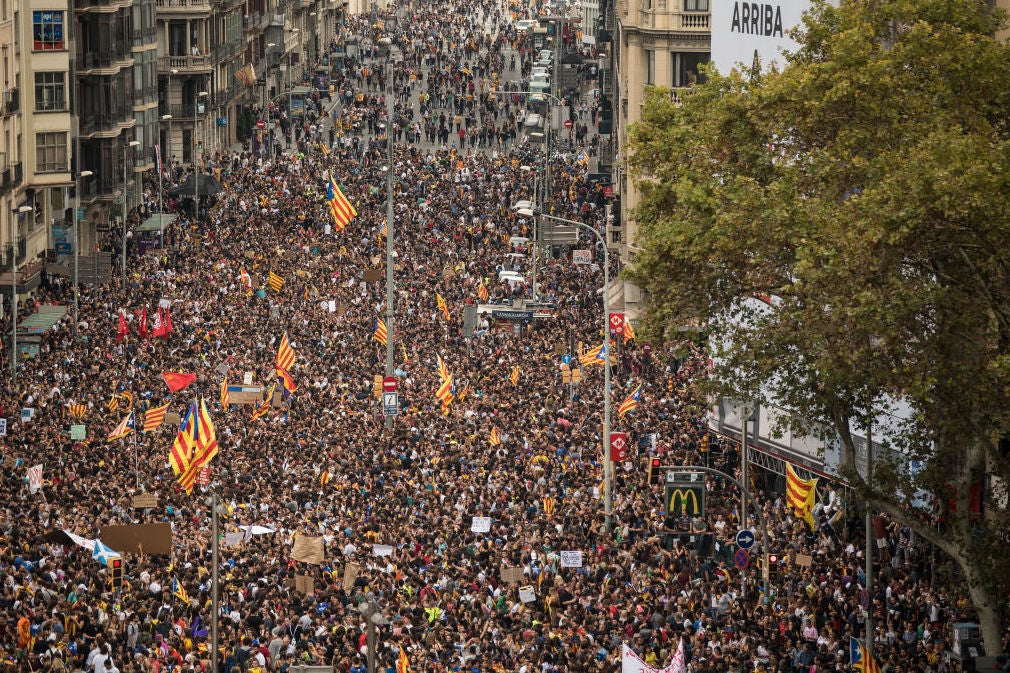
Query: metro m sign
x=618, y=447
x=617, y=324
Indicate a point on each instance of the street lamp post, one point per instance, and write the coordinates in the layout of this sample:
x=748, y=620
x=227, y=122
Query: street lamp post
x=607, y=465
x=196, y=156
x=126, y=201
x=161, y=192
x=291, y=90
x=77, y=242
x=389, y=228
x=372, y=613
x=214, y=502
x=18, y=212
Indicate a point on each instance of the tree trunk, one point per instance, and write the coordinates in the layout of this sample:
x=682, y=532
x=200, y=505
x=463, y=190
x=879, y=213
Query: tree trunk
x=985, y=604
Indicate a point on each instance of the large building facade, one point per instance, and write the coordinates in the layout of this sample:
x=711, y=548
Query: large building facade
x=644, y=44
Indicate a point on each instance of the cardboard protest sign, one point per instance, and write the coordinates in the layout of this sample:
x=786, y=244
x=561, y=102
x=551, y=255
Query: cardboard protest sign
x=145, y=501
x=351, y=571
x=308, y=549
x=147, y=538
x=511, y=575
x=303, y=583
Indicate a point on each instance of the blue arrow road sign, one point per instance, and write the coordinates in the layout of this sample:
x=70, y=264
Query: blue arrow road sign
x=566, y=359
x=745, y=539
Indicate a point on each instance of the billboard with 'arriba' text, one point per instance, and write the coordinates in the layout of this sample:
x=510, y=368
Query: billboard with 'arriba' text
x=741, y=30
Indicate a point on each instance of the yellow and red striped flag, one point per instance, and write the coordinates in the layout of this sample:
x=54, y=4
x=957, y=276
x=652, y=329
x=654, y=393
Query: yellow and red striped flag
x=800, y=494
x=482, y=293
x=442, y=306
x=275, y=282
x=154, y=417
x=285, y=357
x=493, y=438
x=549, y=504
x=514, y=376
x=380, y=333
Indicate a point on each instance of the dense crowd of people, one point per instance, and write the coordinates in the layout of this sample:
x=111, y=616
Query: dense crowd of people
x=395, y=508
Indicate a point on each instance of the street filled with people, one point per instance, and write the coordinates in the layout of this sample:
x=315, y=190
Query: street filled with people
x=475, y=525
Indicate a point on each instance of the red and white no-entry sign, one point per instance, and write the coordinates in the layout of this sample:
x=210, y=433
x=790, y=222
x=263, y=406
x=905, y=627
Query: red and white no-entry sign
x=389, y=384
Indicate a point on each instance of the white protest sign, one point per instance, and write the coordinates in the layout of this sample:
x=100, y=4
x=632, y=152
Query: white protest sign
x=582, y=257
x=382, y=550
x=481, y=524
x=527, y=594
x=571, y=559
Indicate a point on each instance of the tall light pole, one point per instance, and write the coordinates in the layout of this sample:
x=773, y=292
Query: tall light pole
x=389, y=227
x=126, y=201
x=161, y=169
x=215, y=504
x=18, y=212
x=291, y=91
x=372, y=613
x=77, y=242
x=196, y=155
x=607, y=466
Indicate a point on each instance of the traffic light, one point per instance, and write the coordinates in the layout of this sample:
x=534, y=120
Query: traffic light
x=773, y=562
x=116, y=572
x=704, y=443
x=654, y=470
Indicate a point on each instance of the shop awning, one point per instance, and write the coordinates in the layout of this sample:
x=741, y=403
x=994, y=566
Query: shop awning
x=157, y=222
x=37, y=323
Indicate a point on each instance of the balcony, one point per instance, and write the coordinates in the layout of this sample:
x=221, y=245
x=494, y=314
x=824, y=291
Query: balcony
x=10, y=177
x=182, y=7
x=12, y=102
x=694, y=22
x=228, y=49
x=185, y=64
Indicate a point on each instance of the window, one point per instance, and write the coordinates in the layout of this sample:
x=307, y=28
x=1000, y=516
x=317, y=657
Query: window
x=47, y=31
x=650, y=67
x=50, y=91
x=695, y=5
x=50, y=152
x=686, y=68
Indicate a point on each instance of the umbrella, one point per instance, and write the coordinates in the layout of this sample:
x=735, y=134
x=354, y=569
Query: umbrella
x=209, y=186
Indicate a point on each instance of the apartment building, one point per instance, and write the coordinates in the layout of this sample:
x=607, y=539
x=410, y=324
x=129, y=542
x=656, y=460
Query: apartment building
x=11, y=144
x=645, y=43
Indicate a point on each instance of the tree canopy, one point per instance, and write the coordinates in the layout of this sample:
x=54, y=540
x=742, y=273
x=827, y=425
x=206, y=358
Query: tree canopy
x=865, y=189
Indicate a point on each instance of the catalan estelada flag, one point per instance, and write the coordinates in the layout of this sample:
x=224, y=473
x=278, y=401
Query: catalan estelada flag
x=514, y=376
x=482, y=291
x=442, y=306
x=285, y=357
x=340, y=208
x=154, y=417
x=181, y=454
x=275, y=282
x=443, y=371
x=493, y=438
x=630, y=403
x=594, y=356
x=800, y=494
x=380, y=333
x=179, y=591
x=124, y=428
x=860, y=659
x=264, y=407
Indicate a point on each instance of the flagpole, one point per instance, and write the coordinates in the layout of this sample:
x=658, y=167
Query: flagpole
x=214, y=581
x=389, y=230
x=136, y=456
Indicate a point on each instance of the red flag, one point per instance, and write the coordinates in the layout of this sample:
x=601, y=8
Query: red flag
x=124, y=329
x=161, y=327
x=142, y=328
x=177, y=380
x=168, y=322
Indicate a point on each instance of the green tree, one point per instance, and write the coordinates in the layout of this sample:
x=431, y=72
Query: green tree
x=865, y=188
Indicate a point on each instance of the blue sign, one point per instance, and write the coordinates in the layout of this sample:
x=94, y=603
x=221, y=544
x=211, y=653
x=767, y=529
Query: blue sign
x=222, y=121
x=566, y=359
x=745, y=539
x=390, y=404
x=64, y=248
x=741, y=558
